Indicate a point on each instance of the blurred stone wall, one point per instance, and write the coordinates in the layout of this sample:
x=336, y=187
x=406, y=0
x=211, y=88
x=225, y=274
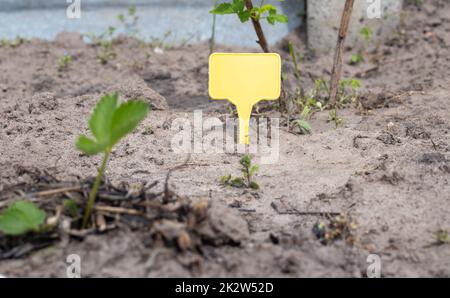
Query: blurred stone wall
x=181, y=21
x=175, y=21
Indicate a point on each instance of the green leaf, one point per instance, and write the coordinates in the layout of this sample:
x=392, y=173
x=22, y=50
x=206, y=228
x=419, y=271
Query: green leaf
x=246, y=161
x=237, y=182
x=268, y=7
x=72, y=207
x=280, y=18
x=238, y=5
x=90, y=147
x=20, y=218
x=110, y=122
x=101, y=119
x=253, y=169
x=223, y=8
x=303, y=125
x=254, y=185
x=305, y=113
x=126, y=118
x=356, y=58
x=244, y=16
x=225, y=179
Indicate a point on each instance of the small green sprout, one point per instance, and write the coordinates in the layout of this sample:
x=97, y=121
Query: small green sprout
x=72, y=207
x=263, y=11
x=357, y=58
x=64, y=62
x=296, y=67
x=130, y=21
x=21, y=217
x=109, y=123
x=333, y=117
x=248, y=172
x=302, y=123
x=442, y=237
x=366, y=33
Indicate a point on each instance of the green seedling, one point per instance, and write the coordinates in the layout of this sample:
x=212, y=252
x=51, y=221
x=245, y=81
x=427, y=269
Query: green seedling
x=21, y=217
x=302, y=123
x=357, y=58
x=64, y=62
x=72, y=207
x=333, y=117
x=263, y=11
x=296, y=66
x=442, y=237
x=366, y=35
x=348, y=91
x=160, y=44
x=130, y=21
x=105, y=41
x=12, y=43
x=248, y=172
x=109, y=123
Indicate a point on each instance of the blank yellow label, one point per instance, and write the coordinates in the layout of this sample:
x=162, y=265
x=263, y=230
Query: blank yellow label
x=244, y=79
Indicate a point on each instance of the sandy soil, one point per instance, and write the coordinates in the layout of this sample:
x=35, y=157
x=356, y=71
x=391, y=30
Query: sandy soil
x=387, y=168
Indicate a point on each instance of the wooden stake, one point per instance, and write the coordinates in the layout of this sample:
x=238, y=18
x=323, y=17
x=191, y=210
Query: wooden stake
x=339, y=53
x=258, y=29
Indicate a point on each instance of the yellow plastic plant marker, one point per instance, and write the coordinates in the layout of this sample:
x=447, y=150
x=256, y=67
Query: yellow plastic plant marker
x=244, y=80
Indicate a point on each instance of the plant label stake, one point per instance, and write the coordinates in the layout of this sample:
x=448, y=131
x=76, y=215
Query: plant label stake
x=244, y=79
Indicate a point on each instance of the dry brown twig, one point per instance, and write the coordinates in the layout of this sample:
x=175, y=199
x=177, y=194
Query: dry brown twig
x=339, y=53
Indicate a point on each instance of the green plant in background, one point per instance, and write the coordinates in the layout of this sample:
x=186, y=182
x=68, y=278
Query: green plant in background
x=302, y=122
x=442, y=237
x=333, y=117
x=263, y=11
x=366, y=35
x=248, y=171
x=14, y=43
x=297, y=72
x=21, y=217
x=348, y=91
x=105, y=41
x=109, y=123
x=130, y=21
x=357, y=58
x=64, y=62
x=72, y=207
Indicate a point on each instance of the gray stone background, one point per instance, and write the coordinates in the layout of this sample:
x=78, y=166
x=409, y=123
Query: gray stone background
x=190, y=20
x=186, y=20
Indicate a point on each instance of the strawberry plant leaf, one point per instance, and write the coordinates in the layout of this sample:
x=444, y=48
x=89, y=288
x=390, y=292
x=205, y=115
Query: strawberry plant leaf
x=90, y=147
x=20, y=218
x=101, y=119
x=126, y=118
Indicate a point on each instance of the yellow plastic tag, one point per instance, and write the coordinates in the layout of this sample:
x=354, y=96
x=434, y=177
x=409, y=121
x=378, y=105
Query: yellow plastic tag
x=244, y=79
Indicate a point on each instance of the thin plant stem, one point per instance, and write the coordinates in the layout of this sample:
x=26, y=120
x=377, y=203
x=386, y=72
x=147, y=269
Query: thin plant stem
x=258, y=29
x=94, y=190
x=212, y=42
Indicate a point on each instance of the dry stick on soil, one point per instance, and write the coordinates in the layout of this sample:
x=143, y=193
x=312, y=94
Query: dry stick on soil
x=167, y=193
x=337, y=63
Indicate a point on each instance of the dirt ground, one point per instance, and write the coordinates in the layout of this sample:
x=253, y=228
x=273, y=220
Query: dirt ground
x=387, y=168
